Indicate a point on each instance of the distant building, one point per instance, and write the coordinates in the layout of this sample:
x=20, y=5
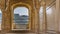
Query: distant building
x=20, y=19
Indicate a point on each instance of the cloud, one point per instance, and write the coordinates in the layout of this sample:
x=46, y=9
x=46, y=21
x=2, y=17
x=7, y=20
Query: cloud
x=21, y=11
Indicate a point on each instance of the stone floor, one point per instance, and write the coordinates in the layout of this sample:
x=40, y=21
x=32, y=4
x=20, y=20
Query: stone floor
x=35, y=33
x=32, y=33
x=48, y=32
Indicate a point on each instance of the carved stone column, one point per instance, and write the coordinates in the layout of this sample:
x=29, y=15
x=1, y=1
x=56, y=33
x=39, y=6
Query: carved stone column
x=37, y=24
x=33, y=12
x=5, y=16
x=8, y=17
x=2, y=5
x=57, y=14
x=44, y=26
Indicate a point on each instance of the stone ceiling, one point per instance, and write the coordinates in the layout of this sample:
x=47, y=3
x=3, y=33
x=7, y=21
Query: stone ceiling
x=49, y=2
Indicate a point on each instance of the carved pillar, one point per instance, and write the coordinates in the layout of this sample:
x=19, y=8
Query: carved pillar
x=37, y=24
x=5, y=17
x=8, y=19
x=57, y=12
x=33, y=12
x=44, y=26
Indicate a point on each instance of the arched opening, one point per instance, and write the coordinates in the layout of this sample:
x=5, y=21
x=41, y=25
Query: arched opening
x=0, y=18
x=21, y=18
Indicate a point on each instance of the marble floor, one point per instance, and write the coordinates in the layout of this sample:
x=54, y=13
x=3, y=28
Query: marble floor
x=48, y=32
x=36, y=33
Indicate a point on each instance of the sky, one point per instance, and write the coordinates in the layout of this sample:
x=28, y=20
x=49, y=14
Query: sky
x=21, y=11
